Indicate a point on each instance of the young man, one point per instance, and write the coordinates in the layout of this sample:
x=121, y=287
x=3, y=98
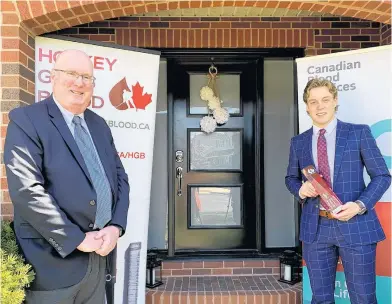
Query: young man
x=340, y=151
x=68, y=187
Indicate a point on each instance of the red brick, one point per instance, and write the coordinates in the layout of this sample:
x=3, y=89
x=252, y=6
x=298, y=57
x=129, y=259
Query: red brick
x=179, y=24
x=261, y=24
x=281, y=24
x=233, y=264
x=7, y=6
x=221, y=24
x=350, y=31
x=177, y=38
x=226, y=44
x=7, y=208
x=271, y=263
x=351, y=45
x=248, y=38
x=201, y=271
x=140, y=37
x=6, y=196
x=341, y=38
x=191, y=38
x=23, y=8
x=188, y=265
x=222, y=271
x=172, y=265
x=323, y=51
x=5, y=118
x=10, y=18
x=321, y=25
x=181, y=272
x=184, y=38
x=219, y=40
x=234, y=38
x=297, y=38
x=252, y=264
x=275, y=38
x=4, y=184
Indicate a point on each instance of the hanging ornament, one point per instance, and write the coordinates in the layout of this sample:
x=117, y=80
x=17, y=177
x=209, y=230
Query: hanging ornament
x=209, y=93
x=214, y=103
x=208, y=124
x=206, y=93
x=221, y=115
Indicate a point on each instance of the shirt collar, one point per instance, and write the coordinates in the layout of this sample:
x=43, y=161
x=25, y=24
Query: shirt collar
x=328, y=129
x=68, y=116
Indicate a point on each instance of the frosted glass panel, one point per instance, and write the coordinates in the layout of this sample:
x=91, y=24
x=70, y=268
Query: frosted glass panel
x=215, y=151
x=228, y=86
x=216, y=206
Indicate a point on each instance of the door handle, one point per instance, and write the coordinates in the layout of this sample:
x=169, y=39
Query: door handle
x=179, y=178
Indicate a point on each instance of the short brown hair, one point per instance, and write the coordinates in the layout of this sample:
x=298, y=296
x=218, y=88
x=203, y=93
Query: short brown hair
x=316, y=83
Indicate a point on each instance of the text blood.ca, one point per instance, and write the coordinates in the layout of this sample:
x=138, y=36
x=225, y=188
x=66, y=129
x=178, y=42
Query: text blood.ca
x=128, y=125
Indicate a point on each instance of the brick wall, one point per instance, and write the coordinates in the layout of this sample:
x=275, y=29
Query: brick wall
x=317, y=35
x=385, y=34
x=17, y=85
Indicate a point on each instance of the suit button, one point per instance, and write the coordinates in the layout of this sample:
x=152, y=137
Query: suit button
x=92, y=203
x=91, y=225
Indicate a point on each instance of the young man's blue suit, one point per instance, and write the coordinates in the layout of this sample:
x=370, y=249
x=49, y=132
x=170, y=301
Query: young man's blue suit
x=356, y=149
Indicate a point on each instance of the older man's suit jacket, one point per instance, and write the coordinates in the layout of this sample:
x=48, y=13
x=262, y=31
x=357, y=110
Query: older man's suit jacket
x=52, y=193
x=355, y=150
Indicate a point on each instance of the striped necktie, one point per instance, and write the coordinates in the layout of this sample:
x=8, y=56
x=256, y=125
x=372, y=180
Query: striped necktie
x=96, y=172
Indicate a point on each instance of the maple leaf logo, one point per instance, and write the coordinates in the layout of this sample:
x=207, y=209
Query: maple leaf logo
x=120, y=96
x=140, y=100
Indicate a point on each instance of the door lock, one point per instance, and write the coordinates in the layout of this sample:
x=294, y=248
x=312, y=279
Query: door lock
x=179, y=156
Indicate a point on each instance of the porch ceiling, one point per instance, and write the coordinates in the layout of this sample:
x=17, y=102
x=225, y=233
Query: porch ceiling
x=234, y=12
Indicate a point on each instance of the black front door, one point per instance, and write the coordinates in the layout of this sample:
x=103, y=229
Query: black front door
x=214, y=175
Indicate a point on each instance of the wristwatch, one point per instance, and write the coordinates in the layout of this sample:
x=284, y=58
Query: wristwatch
x=362, y=207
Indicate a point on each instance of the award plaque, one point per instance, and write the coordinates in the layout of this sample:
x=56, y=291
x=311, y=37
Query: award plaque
x=328, y=198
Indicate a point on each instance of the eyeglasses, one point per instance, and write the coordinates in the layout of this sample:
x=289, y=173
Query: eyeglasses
x=75, y=76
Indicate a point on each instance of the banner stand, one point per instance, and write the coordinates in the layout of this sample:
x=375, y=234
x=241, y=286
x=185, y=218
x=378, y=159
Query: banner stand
x=124, y=95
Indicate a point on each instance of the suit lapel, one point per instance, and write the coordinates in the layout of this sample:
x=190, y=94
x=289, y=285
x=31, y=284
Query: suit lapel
x=59, y=121
x=94, y=128
x=342, y=131
x=308, y=152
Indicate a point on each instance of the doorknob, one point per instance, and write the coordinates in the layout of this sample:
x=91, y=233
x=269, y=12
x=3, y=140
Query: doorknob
x=179, y=178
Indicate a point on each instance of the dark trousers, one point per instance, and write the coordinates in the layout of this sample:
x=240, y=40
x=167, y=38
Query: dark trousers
x=359, y=262
x=90, y=290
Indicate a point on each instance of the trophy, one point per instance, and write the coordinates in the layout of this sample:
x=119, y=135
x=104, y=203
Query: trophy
x=328, y=198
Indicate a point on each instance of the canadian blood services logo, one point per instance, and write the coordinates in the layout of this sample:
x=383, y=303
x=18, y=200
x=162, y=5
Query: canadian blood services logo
x=123, y=98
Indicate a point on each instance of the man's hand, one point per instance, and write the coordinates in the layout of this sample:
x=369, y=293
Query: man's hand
x=349, y=210
x=90, y=242
x=307, y=190
x=109, y=235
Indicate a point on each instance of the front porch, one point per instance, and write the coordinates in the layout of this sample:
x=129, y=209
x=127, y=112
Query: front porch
x=229, y=281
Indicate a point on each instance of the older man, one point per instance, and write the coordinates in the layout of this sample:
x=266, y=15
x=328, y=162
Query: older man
x=68, y=187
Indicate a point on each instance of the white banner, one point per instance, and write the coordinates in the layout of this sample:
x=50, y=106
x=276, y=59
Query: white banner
x=363, y=78
x=125, y=96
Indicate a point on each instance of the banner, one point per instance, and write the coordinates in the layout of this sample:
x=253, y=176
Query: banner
x=363, y=79
x=125, y=96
